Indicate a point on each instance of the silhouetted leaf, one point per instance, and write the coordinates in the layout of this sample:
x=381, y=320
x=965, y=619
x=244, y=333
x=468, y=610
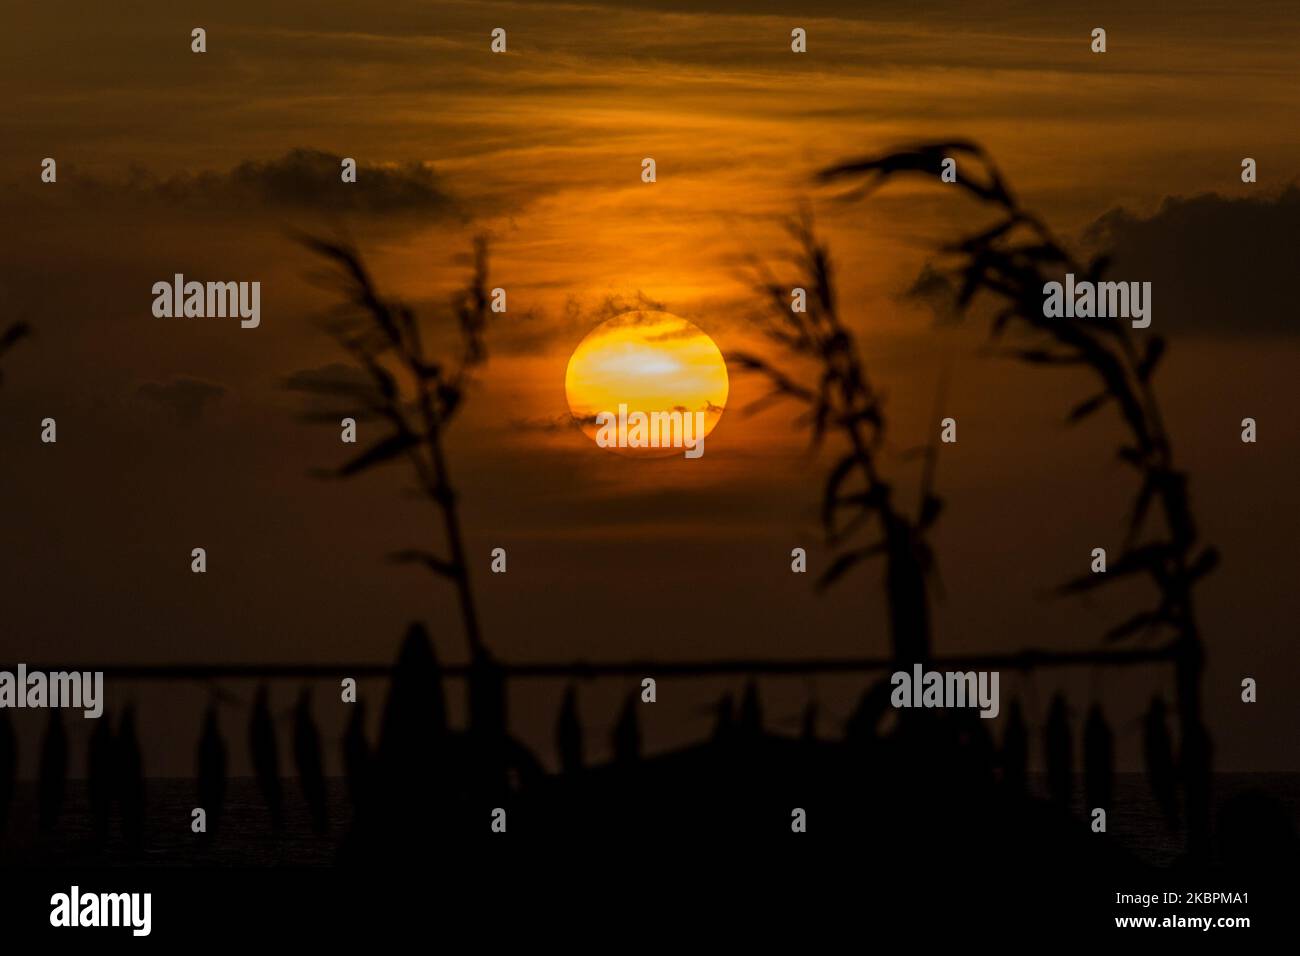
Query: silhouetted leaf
x=1044, y=357
x=390, y=447
x=782, y=384
x=448, y=399
x=1128, y=453
x=1149, y=557
x=1177, y=511
x=1142, y=621
x=12, y=335
x=981, y=239
x=1086, y=408
x=926, y=158
x=830, y=498
x=1155, y=349
x=427, y=370
x=930, y=509
x=1142, y=503
x=1205, y=562
x=1098, y=266
x=1000, y=322
x=363, y=290
x=846, y=561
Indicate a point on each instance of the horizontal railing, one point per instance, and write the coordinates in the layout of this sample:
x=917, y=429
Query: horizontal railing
x=1016, y=660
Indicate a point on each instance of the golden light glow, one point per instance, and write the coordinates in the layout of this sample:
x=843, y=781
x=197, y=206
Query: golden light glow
x=649, y=362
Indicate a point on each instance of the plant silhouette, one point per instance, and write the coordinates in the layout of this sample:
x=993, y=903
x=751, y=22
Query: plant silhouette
x=845, y=401
x=1009, y=263
x=414, y=392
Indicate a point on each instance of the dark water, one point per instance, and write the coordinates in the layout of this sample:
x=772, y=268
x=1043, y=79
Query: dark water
x=244, y=837
x=1137, y=823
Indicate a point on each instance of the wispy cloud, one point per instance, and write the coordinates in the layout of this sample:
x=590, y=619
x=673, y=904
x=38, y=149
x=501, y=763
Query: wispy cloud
x=300, y=180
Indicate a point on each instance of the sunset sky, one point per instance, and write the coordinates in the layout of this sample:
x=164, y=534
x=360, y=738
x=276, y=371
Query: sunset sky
x=180, y=433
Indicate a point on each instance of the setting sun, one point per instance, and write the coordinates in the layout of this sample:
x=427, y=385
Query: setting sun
x=646, y=362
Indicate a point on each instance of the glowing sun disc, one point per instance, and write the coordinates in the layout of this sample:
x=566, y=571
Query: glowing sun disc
x=646, y=362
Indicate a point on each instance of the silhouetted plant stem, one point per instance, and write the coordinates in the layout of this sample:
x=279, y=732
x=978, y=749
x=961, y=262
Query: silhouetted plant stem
x=1011, y=262
x=845, y=400
x=378, y=332
x=446, y=499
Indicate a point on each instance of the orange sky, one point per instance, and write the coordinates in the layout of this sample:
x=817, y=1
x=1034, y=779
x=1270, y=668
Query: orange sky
x=541, y=150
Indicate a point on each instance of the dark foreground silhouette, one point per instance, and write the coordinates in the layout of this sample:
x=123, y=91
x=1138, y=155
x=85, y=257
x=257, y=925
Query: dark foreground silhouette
x=931, y=789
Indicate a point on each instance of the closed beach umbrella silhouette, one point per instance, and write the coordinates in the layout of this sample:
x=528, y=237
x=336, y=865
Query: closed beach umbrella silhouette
x=411, y=772
x=1159, y=753
x=977, y=749
x=413, y=732
x=490, y=772
x=128, y=767
x=568, y=733
x=808, y=722
x=1059, y=752
x=1015, y=749
x=487, y=697
x=751, y=712
x=627, y=733
x=211, y=762
x=863, y=723
x=307, y=758
x=8, y=769
x=100, y=782
x=1098, y=760
x=356, y=755
x=52, y=777
x=266, y=757
x=1194, y=758
x=724, y=727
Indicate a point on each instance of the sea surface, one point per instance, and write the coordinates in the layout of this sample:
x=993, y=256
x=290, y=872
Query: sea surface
x=244, y=837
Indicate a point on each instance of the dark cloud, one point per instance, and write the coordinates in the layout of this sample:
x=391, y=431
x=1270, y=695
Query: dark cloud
x=327, y=378
x=674, y=335
x=934, y=287
x=186, y=398
x=300, y=180
x=1217, y=265
x=531, y=331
